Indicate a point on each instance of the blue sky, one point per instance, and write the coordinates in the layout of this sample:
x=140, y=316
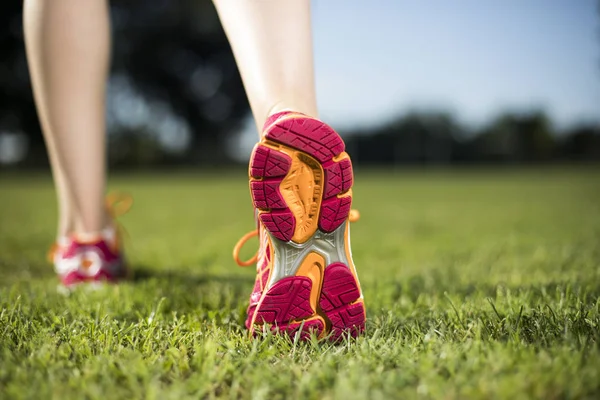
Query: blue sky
x=376, y=59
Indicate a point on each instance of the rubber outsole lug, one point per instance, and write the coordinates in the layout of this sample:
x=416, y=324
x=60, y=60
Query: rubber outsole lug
x=309, y=135
x=286, y=307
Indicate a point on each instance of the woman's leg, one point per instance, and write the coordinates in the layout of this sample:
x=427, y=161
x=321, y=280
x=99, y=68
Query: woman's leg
x=300, y=179
x=272, y=44
x=68, y=43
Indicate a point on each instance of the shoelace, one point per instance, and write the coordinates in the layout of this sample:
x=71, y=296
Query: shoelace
x=116, y=204
x=352, y=217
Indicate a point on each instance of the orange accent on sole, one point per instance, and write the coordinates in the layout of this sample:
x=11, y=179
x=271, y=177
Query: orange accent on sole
x=313, y=267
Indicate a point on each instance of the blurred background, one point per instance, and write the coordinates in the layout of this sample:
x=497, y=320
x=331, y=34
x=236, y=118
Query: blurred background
x=406, y=83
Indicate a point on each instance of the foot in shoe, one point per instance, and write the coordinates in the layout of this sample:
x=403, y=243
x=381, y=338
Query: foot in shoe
x=301, y=187
x=94, y=258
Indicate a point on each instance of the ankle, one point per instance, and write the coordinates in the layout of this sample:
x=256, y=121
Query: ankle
x=285, y=107
x=89, y=236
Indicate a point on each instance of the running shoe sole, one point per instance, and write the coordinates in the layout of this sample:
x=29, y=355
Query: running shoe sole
x=301, y=185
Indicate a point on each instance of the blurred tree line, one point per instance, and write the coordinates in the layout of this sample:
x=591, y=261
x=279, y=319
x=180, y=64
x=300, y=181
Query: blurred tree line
x=175, y=97
x=437, y=138
x=174, y=91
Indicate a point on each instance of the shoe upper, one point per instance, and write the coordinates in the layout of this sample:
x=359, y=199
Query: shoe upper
x=99, y=259
x=263, y=259
x=263, y=269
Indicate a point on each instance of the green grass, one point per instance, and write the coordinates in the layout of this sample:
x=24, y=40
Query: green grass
x=477, y=285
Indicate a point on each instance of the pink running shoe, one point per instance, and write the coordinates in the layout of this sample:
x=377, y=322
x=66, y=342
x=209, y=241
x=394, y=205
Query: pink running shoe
x=95, y=260
x=300, y=183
